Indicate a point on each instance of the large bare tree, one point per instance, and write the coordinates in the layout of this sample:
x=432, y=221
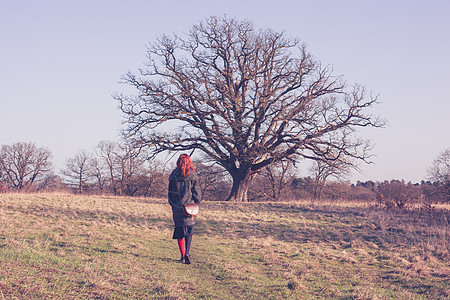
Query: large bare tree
x=245, y=97
x=24, y=164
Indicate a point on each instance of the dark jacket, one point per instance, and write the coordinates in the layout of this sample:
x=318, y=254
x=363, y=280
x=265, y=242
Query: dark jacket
x=189, y=191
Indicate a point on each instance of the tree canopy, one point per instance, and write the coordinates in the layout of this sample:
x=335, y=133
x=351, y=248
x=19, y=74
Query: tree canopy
x=245, y=97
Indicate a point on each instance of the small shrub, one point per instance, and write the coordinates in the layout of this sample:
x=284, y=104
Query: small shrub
x=395, y=194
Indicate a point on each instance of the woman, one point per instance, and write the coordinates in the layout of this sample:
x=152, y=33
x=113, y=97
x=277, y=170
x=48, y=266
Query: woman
x=183, y=189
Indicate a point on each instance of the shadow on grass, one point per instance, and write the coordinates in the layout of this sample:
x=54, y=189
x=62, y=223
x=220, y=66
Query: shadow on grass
x=96, y=215
x=69, y=246
x=337, y=226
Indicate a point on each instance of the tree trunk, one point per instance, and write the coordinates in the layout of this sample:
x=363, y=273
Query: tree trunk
x=80, y=185
x=241, y=182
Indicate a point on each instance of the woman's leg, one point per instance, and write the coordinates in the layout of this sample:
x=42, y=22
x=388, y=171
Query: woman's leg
x=188, y=241
x=181, y=247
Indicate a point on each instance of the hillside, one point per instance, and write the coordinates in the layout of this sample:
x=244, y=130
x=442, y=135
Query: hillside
x=62, y=246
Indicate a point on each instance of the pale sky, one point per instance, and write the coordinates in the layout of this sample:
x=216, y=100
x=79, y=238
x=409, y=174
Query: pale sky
x=61, y=62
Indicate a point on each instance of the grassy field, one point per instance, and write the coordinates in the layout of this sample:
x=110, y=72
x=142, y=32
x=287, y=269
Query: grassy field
x=58, y=246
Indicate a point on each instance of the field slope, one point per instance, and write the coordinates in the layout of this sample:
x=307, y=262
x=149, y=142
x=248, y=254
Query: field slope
x=58, y=246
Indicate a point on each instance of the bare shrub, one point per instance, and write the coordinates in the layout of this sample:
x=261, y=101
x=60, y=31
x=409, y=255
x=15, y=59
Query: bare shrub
x=396, y=194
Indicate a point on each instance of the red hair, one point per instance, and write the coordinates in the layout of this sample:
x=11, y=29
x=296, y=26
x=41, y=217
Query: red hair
x=184, y=163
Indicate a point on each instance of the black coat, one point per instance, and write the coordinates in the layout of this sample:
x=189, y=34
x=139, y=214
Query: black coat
x=183, y=190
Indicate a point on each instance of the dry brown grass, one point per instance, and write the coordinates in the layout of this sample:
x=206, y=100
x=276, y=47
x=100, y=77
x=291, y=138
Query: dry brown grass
x=64, y=246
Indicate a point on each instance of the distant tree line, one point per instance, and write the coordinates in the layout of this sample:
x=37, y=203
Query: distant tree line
x=115, y=168
x=118, y=168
